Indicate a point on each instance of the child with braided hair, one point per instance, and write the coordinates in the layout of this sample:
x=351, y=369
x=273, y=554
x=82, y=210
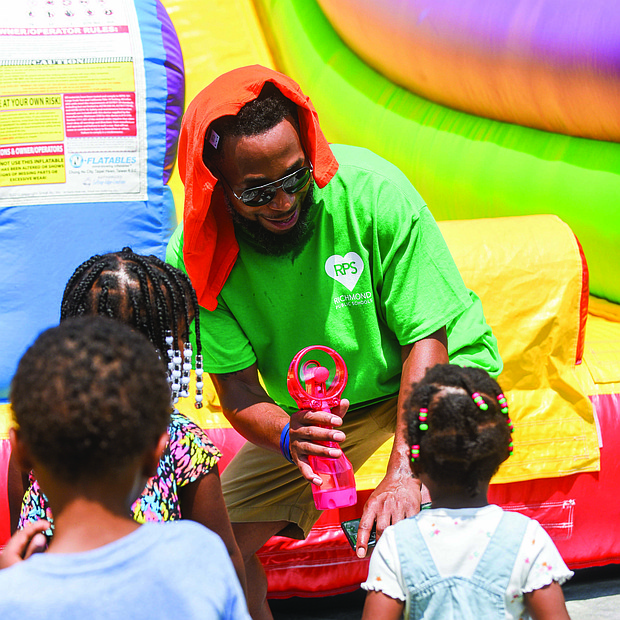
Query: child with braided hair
x=463, y=557
x=159, y=301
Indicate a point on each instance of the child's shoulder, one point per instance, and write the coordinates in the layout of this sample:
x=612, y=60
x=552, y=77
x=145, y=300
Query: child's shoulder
x=433, y=521
x=182, y=543
x=490, y=511
x=180, y=528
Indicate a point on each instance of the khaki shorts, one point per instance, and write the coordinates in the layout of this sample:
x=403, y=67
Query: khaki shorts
x=260, y=485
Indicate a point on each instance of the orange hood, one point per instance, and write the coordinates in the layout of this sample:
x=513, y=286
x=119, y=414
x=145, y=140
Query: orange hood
x=209, y=245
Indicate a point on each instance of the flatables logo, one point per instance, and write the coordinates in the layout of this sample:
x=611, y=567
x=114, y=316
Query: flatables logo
x=347, y=270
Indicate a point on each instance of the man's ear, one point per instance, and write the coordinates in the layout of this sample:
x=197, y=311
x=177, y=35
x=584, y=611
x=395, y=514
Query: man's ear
x=152, y=456
x=20, y=451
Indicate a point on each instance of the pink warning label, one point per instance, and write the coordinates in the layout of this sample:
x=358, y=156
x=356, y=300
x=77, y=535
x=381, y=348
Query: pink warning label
x=99, y=115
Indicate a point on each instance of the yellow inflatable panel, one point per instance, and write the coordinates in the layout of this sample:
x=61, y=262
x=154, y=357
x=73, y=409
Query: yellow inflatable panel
x=601, y=359
x=6, y=419
x=535, y=263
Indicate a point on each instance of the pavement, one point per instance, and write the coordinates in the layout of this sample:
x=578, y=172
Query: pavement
x=592, y=594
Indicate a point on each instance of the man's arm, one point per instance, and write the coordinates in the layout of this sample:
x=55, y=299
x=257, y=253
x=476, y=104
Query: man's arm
x=254, y=415
x=398, y=495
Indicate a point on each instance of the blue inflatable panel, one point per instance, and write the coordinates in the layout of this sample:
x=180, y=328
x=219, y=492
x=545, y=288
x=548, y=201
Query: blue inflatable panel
x=42, y=244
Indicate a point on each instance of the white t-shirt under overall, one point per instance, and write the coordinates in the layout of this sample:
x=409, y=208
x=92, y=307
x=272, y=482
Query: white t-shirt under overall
x=456, y=539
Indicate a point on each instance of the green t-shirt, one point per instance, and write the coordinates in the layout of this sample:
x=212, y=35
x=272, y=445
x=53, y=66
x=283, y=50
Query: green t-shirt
x=375, y=275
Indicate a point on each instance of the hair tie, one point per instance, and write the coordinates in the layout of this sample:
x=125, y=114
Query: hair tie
x=479, y=401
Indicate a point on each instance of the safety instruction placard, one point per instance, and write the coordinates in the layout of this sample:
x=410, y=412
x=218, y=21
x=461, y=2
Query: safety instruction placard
x=72, y=103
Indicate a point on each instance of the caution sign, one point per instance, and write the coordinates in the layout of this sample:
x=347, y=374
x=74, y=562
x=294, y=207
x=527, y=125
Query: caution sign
x=32, y=165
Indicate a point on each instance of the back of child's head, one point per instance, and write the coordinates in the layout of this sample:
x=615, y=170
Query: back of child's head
x=141, y=291
x=458, y=426
x=148, y=295
x=89, y=396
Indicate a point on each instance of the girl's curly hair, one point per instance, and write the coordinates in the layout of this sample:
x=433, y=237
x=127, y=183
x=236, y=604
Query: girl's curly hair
x=463, y=444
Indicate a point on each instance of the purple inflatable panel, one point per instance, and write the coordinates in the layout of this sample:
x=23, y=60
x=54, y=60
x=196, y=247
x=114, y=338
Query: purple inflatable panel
x=175, y=77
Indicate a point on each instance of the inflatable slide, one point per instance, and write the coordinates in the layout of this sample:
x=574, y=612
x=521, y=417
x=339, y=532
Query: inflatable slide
x=503, y=115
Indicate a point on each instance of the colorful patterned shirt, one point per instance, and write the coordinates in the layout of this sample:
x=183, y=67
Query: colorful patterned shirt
x=189, y=456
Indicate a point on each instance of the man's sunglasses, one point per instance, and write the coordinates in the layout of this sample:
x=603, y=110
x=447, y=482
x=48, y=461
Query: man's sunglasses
x=264, y=194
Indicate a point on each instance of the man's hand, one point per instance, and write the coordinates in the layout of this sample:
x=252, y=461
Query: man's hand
x=309, y=427
x=24, y=543
x=396, y=497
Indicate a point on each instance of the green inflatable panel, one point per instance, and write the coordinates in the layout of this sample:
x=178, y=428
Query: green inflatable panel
x=464, y=166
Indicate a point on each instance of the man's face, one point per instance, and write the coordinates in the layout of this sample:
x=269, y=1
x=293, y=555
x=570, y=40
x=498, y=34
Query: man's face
x=252, y=161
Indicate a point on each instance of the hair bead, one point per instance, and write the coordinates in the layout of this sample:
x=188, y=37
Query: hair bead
x=503, y=403
x=199, y=382
x=415, y=452
x=501, y=399
x=423, y=415
x=186, y=368
x=479, y=401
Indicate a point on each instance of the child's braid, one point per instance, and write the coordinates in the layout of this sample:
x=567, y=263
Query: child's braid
x=79, y=286
x=153, y=297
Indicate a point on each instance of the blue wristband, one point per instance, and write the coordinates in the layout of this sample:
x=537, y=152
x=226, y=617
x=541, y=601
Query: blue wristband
x=285, y=448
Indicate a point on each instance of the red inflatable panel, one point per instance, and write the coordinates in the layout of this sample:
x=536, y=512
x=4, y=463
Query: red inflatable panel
x=5, y=528
x=324, y=564
x=581, y=512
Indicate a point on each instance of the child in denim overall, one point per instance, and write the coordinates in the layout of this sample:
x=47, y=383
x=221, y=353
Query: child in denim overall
x=463, y=558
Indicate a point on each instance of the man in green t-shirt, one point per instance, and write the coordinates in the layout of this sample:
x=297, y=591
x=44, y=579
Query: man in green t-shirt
x=291, y=242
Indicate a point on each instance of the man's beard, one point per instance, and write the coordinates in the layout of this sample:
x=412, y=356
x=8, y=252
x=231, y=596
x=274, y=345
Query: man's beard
x=292, y=242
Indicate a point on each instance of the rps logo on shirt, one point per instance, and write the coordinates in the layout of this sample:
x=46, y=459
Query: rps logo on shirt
x=345, y=269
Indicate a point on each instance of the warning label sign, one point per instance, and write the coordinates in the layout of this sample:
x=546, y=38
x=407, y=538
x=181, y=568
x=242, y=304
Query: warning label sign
x=32, y=165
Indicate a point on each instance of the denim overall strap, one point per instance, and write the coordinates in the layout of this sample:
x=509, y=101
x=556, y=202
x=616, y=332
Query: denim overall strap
x=500, y=555
x=415, y=556
x=455, y=597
